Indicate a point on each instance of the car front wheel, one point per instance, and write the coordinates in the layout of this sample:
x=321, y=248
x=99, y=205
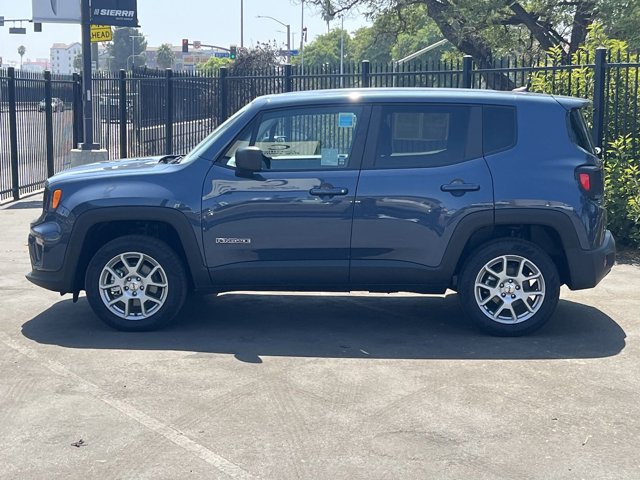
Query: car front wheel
x=509, y=287
x=136, y=283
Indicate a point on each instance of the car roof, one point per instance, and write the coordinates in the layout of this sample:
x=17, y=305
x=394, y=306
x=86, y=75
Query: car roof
x=410, y=95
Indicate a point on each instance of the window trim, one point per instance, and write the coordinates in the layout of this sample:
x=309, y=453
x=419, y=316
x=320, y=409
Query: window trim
x=474, y=135
x=357, y=149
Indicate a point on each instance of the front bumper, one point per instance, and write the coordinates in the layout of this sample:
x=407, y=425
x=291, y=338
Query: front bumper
x=588, y=267
x=47, y=253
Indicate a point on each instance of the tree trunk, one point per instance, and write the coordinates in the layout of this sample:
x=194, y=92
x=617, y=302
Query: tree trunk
x=450, y=24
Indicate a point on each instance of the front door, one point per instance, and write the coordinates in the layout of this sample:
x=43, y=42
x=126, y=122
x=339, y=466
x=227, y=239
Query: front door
x=290, y=224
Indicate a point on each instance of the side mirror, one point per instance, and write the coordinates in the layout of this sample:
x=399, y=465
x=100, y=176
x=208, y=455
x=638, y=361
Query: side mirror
x=249, y=159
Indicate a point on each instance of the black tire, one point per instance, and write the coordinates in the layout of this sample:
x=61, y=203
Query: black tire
x=166, y=286
x=517, y=304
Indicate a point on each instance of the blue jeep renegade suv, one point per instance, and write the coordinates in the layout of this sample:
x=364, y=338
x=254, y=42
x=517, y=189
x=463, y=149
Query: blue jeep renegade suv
x=495, y=195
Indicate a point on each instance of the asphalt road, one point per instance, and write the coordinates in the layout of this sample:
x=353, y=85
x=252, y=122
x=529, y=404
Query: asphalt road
x=315, y=386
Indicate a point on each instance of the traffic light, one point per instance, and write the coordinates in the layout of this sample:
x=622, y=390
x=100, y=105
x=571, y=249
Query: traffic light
x=233, y=51
x=37, y=27
x=185, y=45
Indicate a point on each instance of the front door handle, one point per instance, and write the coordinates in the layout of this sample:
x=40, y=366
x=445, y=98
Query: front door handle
x=328, y=192
x=457, y=188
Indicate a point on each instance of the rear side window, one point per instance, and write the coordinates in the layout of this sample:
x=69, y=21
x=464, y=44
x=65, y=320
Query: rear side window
x=578, y=131
x=419, y=136
x=498, y=129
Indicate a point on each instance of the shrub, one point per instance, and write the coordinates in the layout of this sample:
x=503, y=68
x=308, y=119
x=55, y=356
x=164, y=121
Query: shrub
x=622, y=191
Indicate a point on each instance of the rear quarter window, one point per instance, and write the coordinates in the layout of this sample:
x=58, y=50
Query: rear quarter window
x=499, y=128
x=578, y=131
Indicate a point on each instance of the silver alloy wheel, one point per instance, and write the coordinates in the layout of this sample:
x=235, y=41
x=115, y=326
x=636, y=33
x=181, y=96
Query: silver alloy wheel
x=509, y=289
x=133, y=286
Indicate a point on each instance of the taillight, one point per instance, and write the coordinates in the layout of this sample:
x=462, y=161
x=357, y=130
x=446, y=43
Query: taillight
x=585, y=181
x=590, y=179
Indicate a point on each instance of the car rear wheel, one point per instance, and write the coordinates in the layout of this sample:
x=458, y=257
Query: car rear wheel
x=136, y=283
x=509, y=287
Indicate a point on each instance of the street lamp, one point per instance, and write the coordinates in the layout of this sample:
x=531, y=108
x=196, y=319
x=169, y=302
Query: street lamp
x=133, y=52
x=288, y=33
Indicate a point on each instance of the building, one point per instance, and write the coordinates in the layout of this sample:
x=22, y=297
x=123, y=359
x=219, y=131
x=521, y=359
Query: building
x=38, y=65
x=63, y=56
x=182, y=61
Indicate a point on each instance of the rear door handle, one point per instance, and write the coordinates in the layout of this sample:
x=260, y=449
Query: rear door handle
x=322, y=192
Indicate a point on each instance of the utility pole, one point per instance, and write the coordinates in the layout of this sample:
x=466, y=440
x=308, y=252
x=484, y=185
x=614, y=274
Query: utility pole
x=241, y=23
x=87, y=109
x=302, y=35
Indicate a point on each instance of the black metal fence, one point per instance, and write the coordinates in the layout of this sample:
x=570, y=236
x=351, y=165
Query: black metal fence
x=36, y=129
x=151, y=112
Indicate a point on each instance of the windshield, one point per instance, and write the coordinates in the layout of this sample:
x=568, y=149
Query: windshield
x=202, y=147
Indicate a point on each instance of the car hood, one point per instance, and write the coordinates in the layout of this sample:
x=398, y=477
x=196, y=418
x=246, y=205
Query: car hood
x=114, y=168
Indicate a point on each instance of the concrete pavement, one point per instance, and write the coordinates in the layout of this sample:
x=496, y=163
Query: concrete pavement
x=314, y=386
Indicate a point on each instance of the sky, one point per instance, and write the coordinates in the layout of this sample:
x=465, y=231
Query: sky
x=215, y=22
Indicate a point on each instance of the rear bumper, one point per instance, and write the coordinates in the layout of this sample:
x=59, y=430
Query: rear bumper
x=588, y=267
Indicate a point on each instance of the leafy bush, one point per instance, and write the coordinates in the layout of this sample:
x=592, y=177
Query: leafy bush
x=622, y=191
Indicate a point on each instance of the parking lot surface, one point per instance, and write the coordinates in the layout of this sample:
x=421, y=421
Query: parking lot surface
x=314, y=386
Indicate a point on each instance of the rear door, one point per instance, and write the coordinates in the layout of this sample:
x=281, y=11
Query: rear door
x=421, y=176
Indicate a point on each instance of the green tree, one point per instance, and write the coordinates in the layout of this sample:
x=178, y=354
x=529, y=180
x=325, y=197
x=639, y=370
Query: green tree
x=487, y=29
x=127, y=48
x=77, y=62
x=261, y=57
x=166, y=56
x=325, y=49
x=213, y=64
x=21, y=51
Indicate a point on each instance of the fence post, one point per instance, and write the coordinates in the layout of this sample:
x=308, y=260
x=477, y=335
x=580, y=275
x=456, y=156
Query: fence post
x=13, y=133
x=467, y=69
x=288, y=81
x=224, y=73
x=169, y=121
x=48, y=122
x=366, y=71
x=78, y=136
x=599, y=88
x=122, y=103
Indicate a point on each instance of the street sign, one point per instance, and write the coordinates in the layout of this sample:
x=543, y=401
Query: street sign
x=101, y=33
x=221, y=54
x=197, y=44
x=18, y=30
x=291, y=53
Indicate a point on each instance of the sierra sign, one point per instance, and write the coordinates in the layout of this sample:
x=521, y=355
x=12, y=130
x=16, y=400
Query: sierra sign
x=121, y=13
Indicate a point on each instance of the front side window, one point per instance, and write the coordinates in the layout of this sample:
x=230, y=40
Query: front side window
x=314, y=138
x=417, y=136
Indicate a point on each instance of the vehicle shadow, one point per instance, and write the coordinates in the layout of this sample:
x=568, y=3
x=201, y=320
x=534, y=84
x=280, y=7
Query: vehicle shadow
x=256, y=325
x=24, y=205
